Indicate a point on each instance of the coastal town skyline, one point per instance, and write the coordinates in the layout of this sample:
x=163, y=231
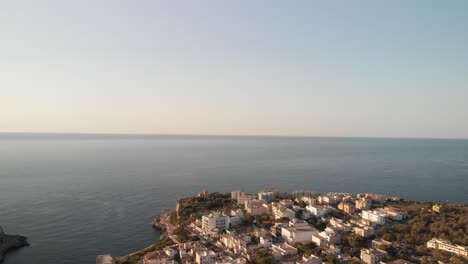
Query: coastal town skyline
x=233, y=132
x=302, y=227
x=266, y=68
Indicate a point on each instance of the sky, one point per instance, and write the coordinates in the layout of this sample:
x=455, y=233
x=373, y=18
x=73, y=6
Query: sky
x=295, y=68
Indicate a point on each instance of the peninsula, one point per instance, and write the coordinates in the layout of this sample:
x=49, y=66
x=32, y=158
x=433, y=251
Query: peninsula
x=305, y=228
x=10, y=242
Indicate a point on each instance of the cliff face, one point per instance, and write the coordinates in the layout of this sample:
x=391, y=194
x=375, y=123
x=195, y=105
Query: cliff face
x=10, y=242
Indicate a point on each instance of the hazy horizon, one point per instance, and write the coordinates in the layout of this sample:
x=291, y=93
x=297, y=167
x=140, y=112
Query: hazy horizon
x=104, y=134
x=268, y=68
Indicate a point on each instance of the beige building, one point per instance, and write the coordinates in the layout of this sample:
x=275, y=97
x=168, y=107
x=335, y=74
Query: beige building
x=256, y=207
x=364, y=231
x=377, y=243
x=439, y=208
x=363, y=204
x=205, y=257
x=373, y=256
x=347, y=207
x=375, y=197
x=392, y=213
x=157, y=257
x=447, y=246
x=234, y=243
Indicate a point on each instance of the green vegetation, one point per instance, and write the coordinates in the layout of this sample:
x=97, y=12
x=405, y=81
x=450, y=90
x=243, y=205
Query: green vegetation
x=264, y=256
x=299, y=213
x=318, y=223
x=173, y=217
x=330, y=259
x=306, y=248
x=248, y=220
x=352, y=244
x=193, y=207
x=182, y=234
x=425, y=224
x=283, y=219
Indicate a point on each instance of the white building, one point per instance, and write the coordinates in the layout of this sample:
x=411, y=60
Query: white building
x=265, y=242
x=230, y=260
x=280, y=212
x=286, y=202
x=317, y=210
x=310, y=260
x=326, y=199
x=392, y=213
x=236, y=216
x=331, y=236
x=319, y=240
x=215, y=222
x=326, y=238
x=339, y=224
x=447, y=246
x=282, y=249
x=267, y=196
x=374, y=216
x=241, y=197
x=297, y=223
x=307, y=200
x=298, y=234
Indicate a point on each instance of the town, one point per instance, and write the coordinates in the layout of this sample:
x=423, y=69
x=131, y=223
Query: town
x=303, y=228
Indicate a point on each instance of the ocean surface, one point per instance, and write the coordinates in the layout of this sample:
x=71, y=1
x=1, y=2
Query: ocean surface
x=77, y=196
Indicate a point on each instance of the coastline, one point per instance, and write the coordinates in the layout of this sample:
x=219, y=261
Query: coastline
x=10, y=242
x=180, y=226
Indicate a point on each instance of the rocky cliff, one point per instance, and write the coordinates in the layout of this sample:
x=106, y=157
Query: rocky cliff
x=10, y=242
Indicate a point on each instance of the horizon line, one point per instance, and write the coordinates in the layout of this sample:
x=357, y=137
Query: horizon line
x=124, y=134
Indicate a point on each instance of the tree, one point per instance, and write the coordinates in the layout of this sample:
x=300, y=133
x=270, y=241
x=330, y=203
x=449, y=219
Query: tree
x=248, y=219
x=355, y=241
x=264, y=256
x=299, y=213
x=391, y=251
x=331, y=259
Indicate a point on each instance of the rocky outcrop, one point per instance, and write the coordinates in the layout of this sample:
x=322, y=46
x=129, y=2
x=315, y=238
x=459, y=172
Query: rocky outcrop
x=10, y=242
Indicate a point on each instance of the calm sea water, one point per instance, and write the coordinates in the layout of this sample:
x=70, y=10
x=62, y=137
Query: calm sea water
x=77, y=196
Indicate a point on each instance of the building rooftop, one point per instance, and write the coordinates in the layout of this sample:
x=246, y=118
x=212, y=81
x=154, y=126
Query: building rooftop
x=373, y=251
x=160, y=254
x=300, y=228
x=441, y=241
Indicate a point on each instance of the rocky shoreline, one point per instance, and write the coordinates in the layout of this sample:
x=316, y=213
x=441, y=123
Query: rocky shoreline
x=10, y=242
x=161, y=222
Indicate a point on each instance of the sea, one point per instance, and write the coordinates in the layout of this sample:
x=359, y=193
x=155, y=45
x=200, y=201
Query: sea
x=76, y=196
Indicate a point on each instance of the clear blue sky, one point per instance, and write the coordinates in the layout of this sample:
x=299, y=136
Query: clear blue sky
x=319, y=68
